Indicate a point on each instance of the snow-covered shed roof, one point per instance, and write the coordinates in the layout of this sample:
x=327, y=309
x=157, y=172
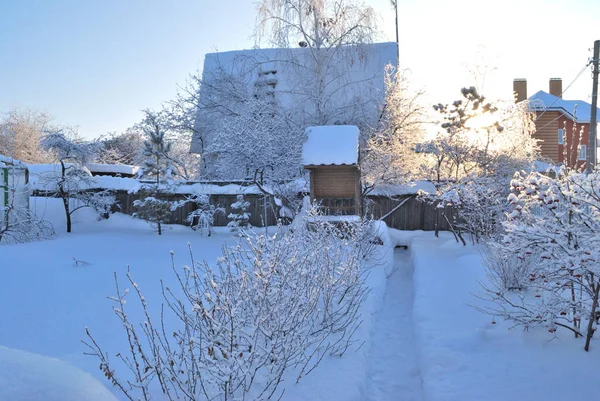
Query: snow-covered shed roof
x=331, y=145
x=124, y=169
x=576, y=110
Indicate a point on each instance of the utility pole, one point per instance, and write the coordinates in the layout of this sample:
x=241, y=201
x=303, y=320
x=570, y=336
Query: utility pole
x=394, y=4
x=592, y=145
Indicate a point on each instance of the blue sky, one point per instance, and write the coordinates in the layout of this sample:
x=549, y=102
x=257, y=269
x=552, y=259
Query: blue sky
x=95, y=64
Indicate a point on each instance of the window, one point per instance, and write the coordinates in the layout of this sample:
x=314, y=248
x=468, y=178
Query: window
x=581, y=152
x=561, y=136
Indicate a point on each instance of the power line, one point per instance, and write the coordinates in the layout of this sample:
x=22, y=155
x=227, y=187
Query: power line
x=562, y=93
x=541, y=128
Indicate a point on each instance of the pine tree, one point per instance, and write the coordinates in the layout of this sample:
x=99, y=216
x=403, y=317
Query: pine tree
x=240, y=218
x=158, y=167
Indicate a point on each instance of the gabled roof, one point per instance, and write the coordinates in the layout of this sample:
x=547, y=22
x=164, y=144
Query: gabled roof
x=331, y=145
x=576, y=110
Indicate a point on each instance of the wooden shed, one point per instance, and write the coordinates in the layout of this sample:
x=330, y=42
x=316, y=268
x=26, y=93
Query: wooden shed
x=331, y=155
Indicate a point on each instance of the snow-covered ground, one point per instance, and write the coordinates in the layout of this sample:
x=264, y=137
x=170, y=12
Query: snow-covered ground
x=421, y=340
x=53, y=289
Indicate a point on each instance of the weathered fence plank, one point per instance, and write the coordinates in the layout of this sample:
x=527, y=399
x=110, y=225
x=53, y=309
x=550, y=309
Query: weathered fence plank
x=412, y=215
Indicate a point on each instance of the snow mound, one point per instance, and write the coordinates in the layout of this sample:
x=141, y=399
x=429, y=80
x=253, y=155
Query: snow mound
x=25, y=376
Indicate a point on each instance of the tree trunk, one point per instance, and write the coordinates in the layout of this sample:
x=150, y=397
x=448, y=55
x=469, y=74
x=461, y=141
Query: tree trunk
x=64, y=195
x=590, y=328
x=65, y=200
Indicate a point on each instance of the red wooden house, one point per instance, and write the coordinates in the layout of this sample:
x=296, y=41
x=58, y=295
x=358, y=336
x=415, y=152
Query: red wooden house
x=562, y=126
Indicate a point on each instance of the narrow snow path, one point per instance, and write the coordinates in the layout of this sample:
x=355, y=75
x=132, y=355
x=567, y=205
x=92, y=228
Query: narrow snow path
x=393, y=370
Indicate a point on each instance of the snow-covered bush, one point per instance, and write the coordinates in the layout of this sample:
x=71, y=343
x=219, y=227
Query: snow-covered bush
x=504, y=269
x=155, y=211
x=203, y=217
x=240, y=218
x=479, y=205
x=271, y=309
x=73, y=181
x=555, y=228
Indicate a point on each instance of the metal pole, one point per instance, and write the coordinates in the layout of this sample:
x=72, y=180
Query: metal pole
x=592, y=145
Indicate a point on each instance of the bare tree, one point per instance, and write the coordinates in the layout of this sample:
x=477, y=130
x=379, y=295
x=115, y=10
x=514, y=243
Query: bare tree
x=20, y=134
x=481, y=145
x=124, y=148
x=315, y=24
x=332, y=36
x=391, y=154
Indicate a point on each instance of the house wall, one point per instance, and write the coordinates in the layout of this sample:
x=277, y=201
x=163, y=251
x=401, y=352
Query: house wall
x=547, y=125
x=354, y=91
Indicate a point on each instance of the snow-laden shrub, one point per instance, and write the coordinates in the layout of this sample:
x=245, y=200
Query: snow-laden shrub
x=203, y=217
x=506, y=270
x=271, y=308
x=479, y=204
x=21, y=225
x=240, y=218
x=155, y=211
x=555, y=228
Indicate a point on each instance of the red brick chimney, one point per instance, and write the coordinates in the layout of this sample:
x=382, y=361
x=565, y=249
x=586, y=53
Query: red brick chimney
x=556, y=87
x=520, y=89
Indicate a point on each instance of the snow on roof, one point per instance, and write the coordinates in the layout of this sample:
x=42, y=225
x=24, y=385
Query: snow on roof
x=40, y=169
x=331, y=145
x=576, y=110
x=9, y=161
x=112, y=168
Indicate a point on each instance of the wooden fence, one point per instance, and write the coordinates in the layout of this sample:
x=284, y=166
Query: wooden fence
x=179, y=216
x=411, y=215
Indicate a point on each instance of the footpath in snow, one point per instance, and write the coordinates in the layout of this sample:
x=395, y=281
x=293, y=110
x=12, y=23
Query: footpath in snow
x=393, y=368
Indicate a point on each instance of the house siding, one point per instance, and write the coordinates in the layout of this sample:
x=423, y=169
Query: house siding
x=575, y=134
x=547, y=125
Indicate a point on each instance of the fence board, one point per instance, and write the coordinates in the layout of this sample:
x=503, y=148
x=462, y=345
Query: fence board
x=413, y=215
